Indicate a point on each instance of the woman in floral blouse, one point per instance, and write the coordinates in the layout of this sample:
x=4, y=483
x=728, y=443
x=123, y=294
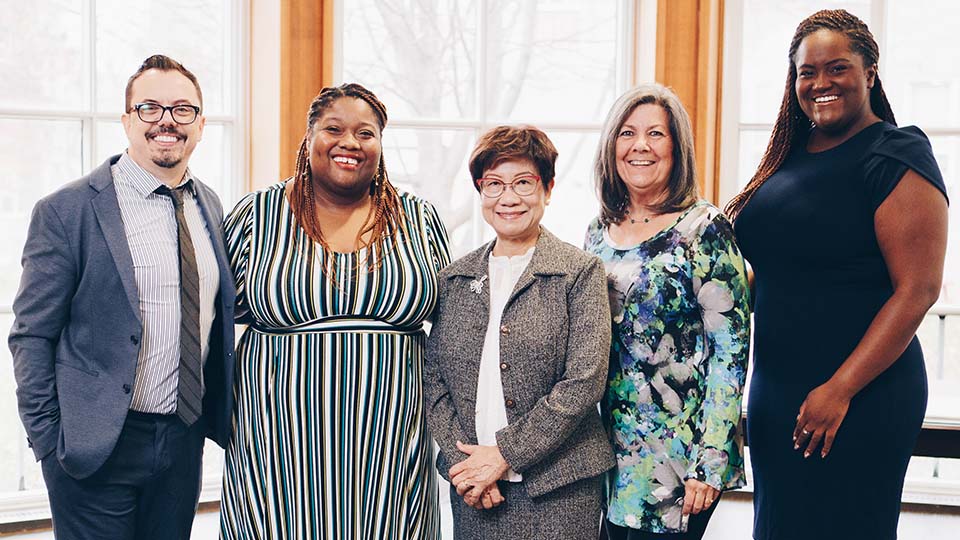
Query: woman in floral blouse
x=679, y=301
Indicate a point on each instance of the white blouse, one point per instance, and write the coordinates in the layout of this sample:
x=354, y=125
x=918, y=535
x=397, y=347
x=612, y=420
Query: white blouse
x=491, y=415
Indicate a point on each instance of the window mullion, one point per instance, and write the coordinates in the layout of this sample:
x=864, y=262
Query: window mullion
x=89, y=130
x=482, y=123
x=878, y=26
x=730, y=123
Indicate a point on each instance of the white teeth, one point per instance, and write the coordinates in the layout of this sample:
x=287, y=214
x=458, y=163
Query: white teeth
x=825, y=99
x=347, y=160
x=640, y=162
x=165, y=138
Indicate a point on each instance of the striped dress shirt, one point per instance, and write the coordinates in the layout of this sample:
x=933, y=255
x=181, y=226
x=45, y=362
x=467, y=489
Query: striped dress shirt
x=151, y=229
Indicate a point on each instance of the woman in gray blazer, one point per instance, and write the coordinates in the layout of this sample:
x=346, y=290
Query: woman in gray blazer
x=517, y=360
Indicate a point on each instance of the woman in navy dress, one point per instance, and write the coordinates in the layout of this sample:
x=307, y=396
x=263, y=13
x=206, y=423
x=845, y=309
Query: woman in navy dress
x=845, y=226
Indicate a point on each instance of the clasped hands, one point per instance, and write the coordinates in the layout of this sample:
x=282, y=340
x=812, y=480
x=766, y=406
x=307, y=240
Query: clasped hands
x=475, y=478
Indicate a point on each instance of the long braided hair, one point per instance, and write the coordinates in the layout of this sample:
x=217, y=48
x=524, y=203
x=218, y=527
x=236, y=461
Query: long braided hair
x=793, y=126
x=387, y=217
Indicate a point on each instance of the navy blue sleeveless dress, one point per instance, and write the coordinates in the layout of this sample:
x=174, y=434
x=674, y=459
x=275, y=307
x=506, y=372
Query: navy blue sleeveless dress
x=820, y=279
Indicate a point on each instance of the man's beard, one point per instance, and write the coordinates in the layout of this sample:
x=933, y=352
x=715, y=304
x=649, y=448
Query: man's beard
x=167, y=163
x=165, y=160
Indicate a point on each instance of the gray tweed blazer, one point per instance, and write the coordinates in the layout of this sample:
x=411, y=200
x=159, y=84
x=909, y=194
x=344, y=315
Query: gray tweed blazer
x=554, y=351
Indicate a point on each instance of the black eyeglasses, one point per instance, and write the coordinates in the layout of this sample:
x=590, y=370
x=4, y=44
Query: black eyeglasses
x=153, y=113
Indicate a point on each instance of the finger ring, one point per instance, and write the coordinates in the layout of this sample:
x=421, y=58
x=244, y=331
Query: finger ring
x=805, y=432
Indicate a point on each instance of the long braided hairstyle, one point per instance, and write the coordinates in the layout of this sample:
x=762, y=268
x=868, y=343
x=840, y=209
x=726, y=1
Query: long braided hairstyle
x=793, y=126
x=387, y=217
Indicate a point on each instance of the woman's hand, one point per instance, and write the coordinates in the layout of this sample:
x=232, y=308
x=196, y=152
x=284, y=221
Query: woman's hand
x=820, y=417
x=473, y=476
x=698, y=496
x=490, y=498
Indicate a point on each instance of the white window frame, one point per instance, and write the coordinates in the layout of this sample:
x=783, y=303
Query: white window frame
x=926, y=491
x=32, y=505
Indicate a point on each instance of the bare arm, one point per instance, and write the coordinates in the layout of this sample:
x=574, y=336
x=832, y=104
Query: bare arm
x=911, y=228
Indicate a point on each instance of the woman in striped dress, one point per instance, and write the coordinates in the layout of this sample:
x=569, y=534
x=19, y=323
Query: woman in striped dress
x=335, y=272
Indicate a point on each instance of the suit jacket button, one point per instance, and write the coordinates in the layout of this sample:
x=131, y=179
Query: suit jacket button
x=134, y=339
x=504, y=330
x=504, y=366
x=510, y=403
x=126, y=389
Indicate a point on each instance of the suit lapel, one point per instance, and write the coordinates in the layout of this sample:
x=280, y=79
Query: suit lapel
x=107, y=209
x=544, y=262
x=470, y=279
x=214, y=229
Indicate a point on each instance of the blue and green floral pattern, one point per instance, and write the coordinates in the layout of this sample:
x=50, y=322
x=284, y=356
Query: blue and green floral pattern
x=681, y=333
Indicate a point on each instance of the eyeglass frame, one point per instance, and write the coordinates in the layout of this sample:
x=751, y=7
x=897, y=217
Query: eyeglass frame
x=509, y=185
x=164, y=110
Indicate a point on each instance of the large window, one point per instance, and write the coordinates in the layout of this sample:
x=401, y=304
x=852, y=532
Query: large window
x=449, y=70
x=65, y=65
x=920, y=69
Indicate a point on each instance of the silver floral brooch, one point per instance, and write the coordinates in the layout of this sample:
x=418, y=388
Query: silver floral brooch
x=477, y=284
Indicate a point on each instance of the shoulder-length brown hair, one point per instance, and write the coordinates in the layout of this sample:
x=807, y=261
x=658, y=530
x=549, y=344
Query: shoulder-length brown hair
x=682, y=184
x=792, y=126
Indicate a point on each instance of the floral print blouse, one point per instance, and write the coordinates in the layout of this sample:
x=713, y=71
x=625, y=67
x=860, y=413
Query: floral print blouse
x=681, y=334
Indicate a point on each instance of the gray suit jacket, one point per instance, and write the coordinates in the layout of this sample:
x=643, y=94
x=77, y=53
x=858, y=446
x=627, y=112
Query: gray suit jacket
x=77, y=328
x=554, y=351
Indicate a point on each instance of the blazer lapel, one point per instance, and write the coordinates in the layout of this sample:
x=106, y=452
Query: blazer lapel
x=470, y=279
x=474, y=266
x=215, y=230
x=107, y=209
x=543, y=263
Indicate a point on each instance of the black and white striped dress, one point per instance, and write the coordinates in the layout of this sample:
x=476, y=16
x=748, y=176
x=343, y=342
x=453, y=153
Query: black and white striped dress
x=329, y=433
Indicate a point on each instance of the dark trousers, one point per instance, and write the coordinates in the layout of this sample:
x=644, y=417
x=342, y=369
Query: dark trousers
x=147, y=489
x=696, y=526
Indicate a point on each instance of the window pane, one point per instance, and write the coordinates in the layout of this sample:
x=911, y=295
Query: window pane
x=209, y=161
x=921, y=70
x=925, y=469
x=191, y=32
x=767, y=29
x=17, y=464
x=432, y=164
x=548, y=60
x=573, y=203
x=10, y=443
x=41, y=55
x=940, y=339
x=417, y=57
x=947, y=152
x=38, y=156
x=753, y=143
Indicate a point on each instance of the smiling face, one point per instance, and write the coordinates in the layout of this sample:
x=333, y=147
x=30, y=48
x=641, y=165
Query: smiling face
x=162, y=148
x=345, y=148
x=515, y=219
x=644, y=151
x=833, y=86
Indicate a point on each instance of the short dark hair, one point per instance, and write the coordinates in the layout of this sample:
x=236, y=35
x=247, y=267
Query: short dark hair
x=514, y=142
x=163, y=63
x=682, y=188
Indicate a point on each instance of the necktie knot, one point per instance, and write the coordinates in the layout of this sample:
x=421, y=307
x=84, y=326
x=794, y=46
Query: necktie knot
x=176, y=194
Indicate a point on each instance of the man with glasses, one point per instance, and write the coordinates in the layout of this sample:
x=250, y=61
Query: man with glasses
x=123, y=335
